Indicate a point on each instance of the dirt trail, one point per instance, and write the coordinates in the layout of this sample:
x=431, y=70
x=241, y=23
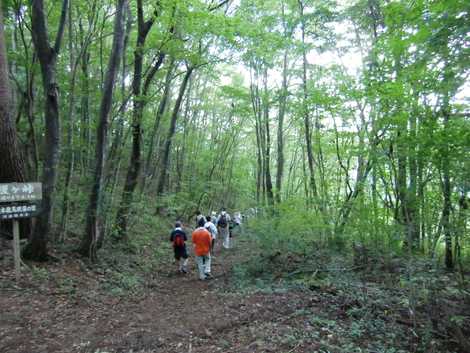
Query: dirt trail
x=76, y=308
x=175, y=313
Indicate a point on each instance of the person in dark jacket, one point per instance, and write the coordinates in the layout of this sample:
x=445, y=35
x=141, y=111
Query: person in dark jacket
x=178, y=238
x=223, y=228
x=199, y=216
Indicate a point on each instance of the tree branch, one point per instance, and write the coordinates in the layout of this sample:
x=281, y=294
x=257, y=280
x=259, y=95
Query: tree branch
x=152, y=72
x=60, y=32
x=219, y=5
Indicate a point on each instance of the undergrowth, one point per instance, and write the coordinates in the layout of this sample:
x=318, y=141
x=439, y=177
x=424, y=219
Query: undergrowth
x=124, y=267
x=379, y=300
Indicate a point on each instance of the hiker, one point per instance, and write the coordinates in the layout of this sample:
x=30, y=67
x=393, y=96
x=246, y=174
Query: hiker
x=199, y=216
x=237, y=220
x=210, y=226
x=202, y=242
x=178, y=238
x=223, y=228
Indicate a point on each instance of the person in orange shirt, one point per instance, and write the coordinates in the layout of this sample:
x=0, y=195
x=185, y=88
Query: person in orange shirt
x=202, y=241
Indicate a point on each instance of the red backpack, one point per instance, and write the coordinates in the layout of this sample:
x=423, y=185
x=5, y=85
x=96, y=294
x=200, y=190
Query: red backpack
x=178, y=240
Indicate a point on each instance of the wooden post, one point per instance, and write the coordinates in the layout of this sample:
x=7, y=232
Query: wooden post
x=16, y=249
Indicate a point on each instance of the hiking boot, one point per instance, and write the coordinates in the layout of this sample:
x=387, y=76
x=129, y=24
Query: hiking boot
x=209, y=276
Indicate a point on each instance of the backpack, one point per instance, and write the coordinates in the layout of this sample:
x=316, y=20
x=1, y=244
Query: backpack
x=178, y=240
x=222, y=222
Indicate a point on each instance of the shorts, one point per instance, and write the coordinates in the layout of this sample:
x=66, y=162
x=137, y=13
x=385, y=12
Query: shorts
x=180, y=252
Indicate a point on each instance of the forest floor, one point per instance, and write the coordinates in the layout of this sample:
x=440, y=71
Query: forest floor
x=68, y=306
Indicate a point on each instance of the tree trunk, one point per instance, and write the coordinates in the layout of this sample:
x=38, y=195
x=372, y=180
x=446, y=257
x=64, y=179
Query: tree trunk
x=421, y=192
x=85, y=114
x=181, y=151
x=83, y=154
x=114, y=155
x=267, y=150
x=307, y=126
x=259, y=164
x=403, y=158
x=446, y=190
x=133, y=170
x=305, y=179
x=34, y=154
x=88, y=246
x=280, y=132
x=70, y=154
x=260, y=151
x=412, y=189
x=47, y=56
x=12, y=166
x=174, y=116
x=158, y=117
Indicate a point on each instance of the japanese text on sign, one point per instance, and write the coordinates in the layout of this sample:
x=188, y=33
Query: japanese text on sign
x=18, y=211
x=20, y=192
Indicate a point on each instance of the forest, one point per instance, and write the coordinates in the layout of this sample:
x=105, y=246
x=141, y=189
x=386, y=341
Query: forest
x=340, y=129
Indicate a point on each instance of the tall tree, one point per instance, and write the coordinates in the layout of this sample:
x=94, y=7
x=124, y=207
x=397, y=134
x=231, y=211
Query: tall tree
x=85, y=136
x=257, y=107
x=12, y=167
x=143, y=29
x=305, y=111
x=75, y=59
x=447, y=191
x=93, y=231
x=267, y=134
x=162, y=106
x=280, y=125
x=171, y=131
x=47, y=56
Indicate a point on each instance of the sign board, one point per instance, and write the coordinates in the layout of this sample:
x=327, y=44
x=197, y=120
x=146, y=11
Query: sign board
x=17, y=200
x=13, y=192
x=15, y=211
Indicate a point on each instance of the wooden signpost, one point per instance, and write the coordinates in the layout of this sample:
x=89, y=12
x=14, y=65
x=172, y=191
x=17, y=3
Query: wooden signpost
x=19, y=200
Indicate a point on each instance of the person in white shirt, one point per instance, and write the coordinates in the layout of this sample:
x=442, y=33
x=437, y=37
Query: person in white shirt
x=210, y=226
x=237, y=219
